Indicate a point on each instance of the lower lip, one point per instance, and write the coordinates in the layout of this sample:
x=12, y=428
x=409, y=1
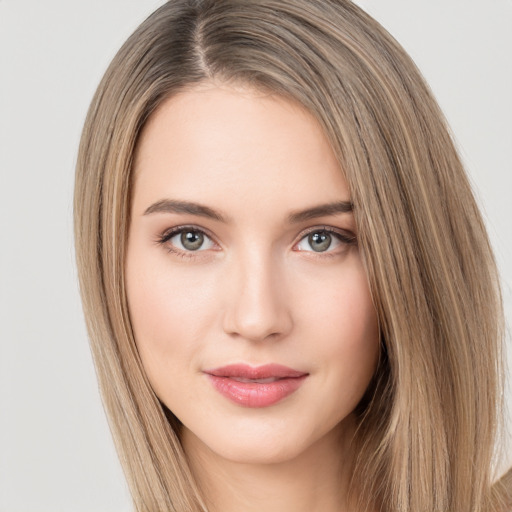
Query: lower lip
x=254, y=394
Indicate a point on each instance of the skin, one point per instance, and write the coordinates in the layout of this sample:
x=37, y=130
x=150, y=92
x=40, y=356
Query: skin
x=255, y=292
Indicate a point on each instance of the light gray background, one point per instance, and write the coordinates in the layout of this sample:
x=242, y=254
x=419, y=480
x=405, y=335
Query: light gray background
x=55, y=448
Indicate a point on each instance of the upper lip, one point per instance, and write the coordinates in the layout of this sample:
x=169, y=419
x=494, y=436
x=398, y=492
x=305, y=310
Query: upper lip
x=246, y=371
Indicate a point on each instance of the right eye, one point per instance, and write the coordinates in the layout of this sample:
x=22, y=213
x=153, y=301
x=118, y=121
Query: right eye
x=187, y=240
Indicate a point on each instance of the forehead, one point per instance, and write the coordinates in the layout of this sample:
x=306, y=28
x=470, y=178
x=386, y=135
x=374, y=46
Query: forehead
x=238, y=147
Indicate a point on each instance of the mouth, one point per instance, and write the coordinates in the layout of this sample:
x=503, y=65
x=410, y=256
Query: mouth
x=260, y=386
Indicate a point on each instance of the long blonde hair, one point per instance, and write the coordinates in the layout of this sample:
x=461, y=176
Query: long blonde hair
x=428, y=422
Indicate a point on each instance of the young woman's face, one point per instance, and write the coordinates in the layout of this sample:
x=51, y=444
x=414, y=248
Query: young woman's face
x=248, y=298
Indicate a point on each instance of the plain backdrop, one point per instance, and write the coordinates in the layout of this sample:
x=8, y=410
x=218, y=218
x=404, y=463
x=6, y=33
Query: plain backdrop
x=56, y=453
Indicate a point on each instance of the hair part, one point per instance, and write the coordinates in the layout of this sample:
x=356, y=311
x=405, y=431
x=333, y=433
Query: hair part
x=429, y=419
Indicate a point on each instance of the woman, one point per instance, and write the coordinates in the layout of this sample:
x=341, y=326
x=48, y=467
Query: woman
x=290, y=294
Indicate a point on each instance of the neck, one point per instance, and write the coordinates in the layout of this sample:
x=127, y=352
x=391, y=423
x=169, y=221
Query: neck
x=313, y=481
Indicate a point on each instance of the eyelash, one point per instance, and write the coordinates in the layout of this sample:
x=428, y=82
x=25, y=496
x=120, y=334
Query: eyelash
x=346, y=238
x=164, y=238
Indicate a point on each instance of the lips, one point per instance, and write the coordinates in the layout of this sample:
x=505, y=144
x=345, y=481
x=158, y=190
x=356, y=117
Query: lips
x=260, y=386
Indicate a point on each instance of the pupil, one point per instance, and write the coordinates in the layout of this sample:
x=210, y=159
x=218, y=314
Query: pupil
x=320, y=242
x=192, y=240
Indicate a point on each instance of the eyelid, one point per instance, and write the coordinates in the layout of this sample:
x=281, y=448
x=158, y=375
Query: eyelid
x=169, y=233
x=344, y=236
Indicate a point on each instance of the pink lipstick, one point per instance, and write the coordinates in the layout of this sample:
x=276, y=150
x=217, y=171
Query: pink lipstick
x=259, y=386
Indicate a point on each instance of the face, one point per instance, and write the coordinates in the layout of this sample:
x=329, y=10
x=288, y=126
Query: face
x=248, y=298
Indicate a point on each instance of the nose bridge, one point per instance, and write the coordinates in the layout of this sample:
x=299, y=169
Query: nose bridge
x=257, y=306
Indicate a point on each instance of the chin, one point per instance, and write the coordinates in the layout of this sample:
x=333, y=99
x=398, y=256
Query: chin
x=260, y=451
x=261, y=442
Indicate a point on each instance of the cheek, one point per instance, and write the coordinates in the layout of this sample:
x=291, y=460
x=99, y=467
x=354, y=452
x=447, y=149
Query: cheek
x=342, y=322
x=170, y=311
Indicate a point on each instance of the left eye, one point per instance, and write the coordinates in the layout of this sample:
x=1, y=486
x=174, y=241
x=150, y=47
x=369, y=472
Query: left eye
x=190, y=240
x=322, y=241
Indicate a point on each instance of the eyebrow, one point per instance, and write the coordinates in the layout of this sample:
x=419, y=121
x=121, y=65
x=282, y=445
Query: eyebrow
x=175, y=206
x=321, y=211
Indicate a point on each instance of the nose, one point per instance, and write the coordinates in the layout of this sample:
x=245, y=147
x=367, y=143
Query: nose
x=257, y=303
